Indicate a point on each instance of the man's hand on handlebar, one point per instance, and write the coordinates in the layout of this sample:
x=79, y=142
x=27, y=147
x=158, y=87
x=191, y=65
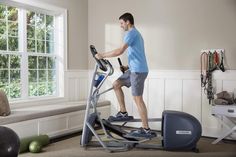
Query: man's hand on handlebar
x=99, y=56
x=124, y=68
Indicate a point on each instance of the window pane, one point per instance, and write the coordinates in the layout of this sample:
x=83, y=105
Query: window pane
x=40, y=46
x=15, y=76
x=50, y=34
x=51, y=63
x=49, y=21
x=40, y=26
x=15, y=62
x=42, y=62
x=31, y=18
x=51, y=75
x=3, y=61
x=3, y=42
x=32, y=76
x=40, y=34
x=30, y=45
x=33, y=90
x=49, y=27
x=51, y=88
x=2, y=11
x=13, y=29
x=42, y=89
x=15, y=91
x=32, y=62
x=4, y=76
x=3, y=27
x=13, y=44
x=49, y=47
x=30, y=31
x=40, y=20
x=12, y=14
x=42, y=75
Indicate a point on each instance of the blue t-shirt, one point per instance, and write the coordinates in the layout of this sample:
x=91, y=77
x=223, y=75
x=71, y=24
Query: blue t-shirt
x=136, y=53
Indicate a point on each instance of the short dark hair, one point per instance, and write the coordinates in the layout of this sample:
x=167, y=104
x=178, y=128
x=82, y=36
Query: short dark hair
x=127, y=17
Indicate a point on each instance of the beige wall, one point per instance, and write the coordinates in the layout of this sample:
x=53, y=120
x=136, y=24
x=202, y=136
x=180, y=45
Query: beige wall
x=77, y=57
x=174, y=31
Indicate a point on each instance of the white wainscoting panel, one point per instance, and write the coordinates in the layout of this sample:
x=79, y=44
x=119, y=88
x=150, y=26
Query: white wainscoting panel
x=192, y=98
x=77, y=85
x=76, y=120
x=52, y=125
x=24, y=129
x=156, y=97
x=173, y=94
x=164, y=90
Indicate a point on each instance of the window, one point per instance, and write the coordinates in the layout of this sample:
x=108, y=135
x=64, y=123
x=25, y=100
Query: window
x=10, y=80
x=41, y=58
x=29, y=58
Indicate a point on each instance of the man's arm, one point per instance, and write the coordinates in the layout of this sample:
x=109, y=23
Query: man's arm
x=113, y=53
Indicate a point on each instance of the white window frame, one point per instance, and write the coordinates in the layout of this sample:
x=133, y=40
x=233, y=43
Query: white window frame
x=61, y=48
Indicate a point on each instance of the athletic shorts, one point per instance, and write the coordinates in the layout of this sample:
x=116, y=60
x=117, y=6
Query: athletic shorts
x=135, y=80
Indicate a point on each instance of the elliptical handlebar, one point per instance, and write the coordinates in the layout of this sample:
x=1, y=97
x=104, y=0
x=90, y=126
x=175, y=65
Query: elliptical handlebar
x=102, y=63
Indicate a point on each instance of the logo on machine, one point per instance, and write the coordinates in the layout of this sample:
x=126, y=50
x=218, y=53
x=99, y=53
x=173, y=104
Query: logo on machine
x=183, y=132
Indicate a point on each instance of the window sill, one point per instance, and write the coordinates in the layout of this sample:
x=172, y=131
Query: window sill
x=41, y=111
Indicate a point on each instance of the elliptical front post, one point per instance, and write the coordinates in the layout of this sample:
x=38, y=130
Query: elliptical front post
x=90, y=99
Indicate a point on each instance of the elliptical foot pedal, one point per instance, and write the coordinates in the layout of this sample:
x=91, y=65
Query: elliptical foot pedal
x=141, y=133
x=120, y=119
x=139, y=137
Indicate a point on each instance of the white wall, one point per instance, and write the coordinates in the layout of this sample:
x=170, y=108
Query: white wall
x=174, y=31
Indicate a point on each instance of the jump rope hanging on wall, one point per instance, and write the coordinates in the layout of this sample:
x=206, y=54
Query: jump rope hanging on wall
x=211, y=60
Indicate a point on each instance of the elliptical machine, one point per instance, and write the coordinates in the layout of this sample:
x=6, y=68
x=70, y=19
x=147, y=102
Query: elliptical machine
x=180, y=131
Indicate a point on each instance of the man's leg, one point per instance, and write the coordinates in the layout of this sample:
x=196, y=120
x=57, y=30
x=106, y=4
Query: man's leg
x=142, y=110
x=123, y=80
x=144, y=131
x=137, y=86
x=120, y=95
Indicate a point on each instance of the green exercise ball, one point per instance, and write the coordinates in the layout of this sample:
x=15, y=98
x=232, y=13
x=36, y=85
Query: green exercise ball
x=35, y=147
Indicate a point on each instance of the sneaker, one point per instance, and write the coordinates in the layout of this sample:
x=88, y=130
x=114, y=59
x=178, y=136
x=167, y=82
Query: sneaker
x=121, y=117
x=145, y=133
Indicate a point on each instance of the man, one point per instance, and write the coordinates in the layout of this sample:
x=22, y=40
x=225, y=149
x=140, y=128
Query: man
x=134, y=76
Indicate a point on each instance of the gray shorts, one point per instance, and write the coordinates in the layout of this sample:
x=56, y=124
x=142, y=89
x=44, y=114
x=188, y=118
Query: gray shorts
x=135, y=80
